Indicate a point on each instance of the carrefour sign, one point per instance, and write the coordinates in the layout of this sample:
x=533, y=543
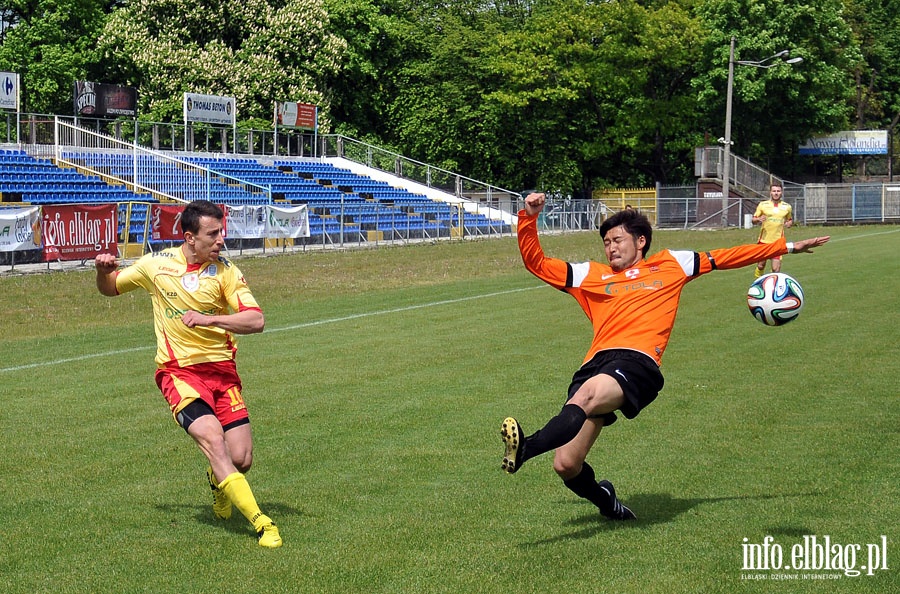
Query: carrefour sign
x=852, y=142
x=9, y=90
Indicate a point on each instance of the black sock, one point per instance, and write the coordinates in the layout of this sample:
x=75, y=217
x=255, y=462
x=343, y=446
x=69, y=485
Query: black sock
x=558, y=431
x=585, y=486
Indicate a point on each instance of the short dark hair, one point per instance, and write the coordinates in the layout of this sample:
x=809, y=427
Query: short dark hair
x=635, y=224
x=190, y=218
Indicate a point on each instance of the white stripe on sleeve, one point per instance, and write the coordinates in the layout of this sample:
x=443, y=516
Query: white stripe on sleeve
x=688, y=261
x=579, y=272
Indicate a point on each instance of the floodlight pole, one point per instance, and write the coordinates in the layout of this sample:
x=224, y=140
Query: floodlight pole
x=726, y=157
x=726, y=164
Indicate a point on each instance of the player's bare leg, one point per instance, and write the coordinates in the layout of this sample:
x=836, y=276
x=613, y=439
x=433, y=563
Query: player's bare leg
x=210, y=437
x=776, y=264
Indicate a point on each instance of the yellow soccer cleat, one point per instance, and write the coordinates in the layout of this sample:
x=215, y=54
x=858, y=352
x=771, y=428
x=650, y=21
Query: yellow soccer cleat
x=514, y=443
x=269, y=536
x=221, y=503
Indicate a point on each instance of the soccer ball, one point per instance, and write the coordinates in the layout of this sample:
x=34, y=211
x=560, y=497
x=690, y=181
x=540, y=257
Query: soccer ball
x=775, y=299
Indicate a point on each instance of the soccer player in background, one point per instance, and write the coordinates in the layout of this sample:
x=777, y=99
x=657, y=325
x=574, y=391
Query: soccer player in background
x=632, y=304
x=200, y=301
x=774, y=216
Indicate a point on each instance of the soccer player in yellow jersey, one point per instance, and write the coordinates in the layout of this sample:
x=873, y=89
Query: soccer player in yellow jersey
x=632, y=304
x=200, y=302
x=774, y=216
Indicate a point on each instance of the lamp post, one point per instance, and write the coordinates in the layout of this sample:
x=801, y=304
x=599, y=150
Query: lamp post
x=726, y=141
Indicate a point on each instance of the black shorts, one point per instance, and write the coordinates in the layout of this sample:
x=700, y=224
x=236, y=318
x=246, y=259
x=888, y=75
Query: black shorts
x=638, y=376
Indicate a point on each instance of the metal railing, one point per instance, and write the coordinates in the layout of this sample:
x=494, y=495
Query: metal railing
x=145, y=171
x=429, y=176
x=746, y=178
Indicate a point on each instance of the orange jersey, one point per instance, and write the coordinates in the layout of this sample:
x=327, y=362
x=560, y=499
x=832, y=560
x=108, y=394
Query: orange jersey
x=633, y=309
x=211, y=288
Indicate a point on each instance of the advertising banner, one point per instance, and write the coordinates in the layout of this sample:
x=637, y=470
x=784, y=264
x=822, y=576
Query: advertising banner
x=246, y=222
x=297, y=115
x=210, y=109
x=79, y=232
x=850, y=142
x=20, y=229
x=165, y=222
x=100, y=100
x=288, y=222
x=9, y=91
x=257, y=222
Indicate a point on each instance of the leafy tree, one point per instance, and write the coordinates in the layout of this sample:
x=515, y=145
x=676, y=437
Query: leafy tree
x=602, y=91
x=51, y=44
x=378, y=39
x=876, y=27
x=257, y=51
x=775, y=109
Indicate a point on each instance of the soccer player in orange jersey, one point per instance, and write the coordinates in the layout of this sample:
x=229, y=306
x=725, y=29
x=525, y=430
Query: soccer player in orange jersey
x=774, y=216
x=632, y=304
x=200, y=301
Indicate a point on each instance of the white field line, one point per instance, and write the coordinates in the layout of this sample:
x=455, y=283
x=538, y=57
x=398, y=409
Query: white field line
x=89, y=356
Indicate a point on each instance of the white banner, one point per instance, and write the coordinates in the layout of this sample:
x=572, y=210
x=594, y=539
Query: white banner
x=246, y=222
x=257, y=222
x=9, y=91
x=20, y=229
x=288, y=222
x=211, y=109
x=849, y=142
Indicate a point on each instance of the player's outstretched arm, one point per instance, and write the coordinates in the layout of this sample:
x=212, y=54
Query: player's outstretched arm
x=106, y=265
x=806, y=245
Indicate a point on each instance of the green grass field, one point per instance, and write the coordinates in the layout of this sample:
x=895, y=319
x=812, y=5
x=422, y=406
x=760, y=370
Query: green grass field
x=377, y=392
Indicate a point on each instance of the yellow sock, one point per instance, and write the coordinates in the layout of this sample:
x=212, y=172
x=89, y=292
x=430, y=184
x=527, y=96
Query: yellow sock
x=238, y=490
x=759, y=272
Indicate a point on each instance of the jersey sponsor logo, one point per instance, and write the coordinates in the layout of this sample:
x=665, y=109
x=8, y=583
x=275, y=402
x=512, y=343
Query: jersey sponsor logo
x=191, y=281
x=617, y=288
x=173, y=313
x=632, y=274
x=167, y=269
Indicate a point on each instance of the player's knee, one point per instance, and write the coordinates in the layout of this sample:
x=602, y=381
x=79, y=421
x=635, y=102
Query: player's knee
x=243, y=461
x=566, y=466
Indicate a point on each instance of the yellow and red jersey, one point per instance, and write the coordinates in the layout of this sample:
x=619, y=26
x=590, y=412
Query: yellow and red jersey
x=635, y=308
x=211, y=288
x=776, y=216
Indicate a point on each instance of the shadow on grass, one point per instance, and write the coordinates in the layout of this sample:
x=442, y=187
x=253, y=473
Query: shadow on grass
x=237, y=524
x=651, y=509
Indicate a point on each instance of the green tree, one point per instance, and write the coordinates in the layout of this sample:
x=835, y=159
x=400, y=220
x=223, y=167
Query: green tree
x=258, y=51
x=51, y=44
x=362, y=89
x=777, y=108
x=876, y=27
x=602, y=92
